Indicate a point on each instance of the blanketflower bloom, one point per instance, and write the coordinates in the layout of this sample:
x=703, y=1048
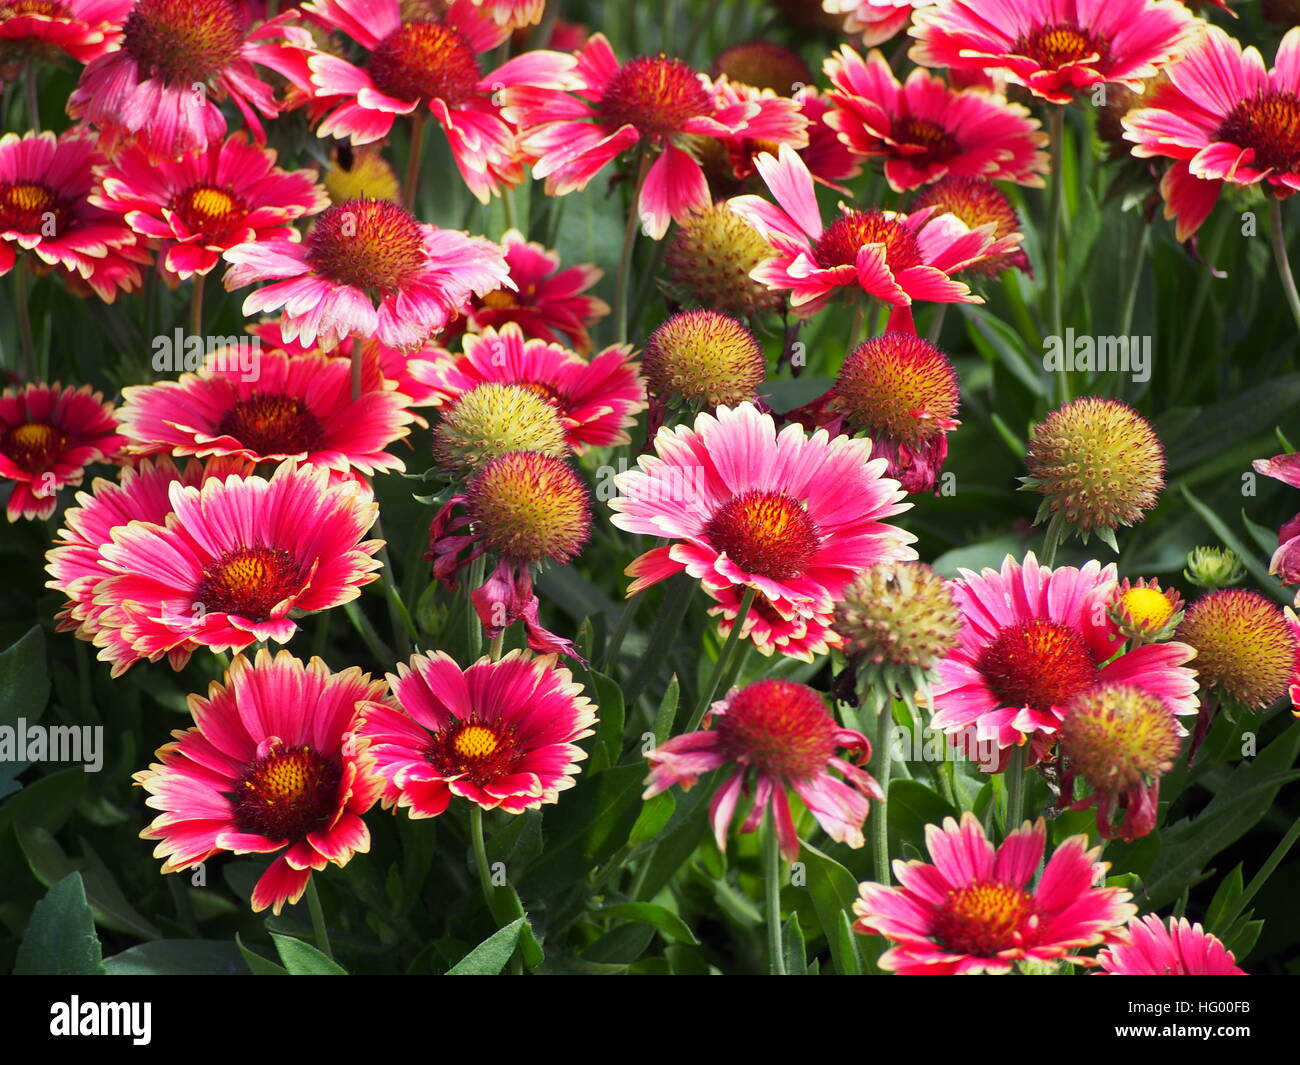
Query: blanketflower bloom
x=1054, y=48
x=503, y=735
x=976, y=201
x=792, y=633
x=76, y=562
x=200, y=206
x=1285, y=563
x=651, y=101
x=274, y=763
x=48, y=436
x=876, y=20
x=235, y=558
x=45, y=209
x=925, y=130
x=360, y=253
x=546, y=302
x=177, y=60
x=1150, y=947
x=1221, y=116
x=596, y=401
x=895, y=257
x=791, y=515
x=512, y=14
x=298, y=408
x=972, y=909
x=427, y=63
x=1033, y=639
x=777, y=735
x=82, y=29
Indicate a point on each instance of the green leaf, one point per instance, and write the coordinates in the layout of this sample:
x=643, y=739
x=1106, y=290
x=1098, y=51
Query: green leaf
x=1224, y=901
x=911, y=806
x=833, y=889
x=60, y=939
x=609, y=732
x=302, y=959
x=653, y=816
x=24, y=679
x=667, y=712
x=1230, y=540
x=258, y=965
x=844, y=948
x=490, y=956
x=794, y=948
x=998, y=342
x=179, y=957
x=663, y=919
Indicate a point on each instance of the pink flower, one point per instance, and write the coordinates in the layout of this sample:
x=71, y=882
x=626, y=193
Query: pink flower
x=1286, y=559
x=597, y=400
x=895, y=257
x=973, y=911
x=653, y=101
x=48, y=436
x=1054, y=47
x=83, y=29
x=1149, y=947
x=358, y=252
x=297, y=408
x=235, y=558
x=428, y=63
x=512, y=14
x=273, y=764
x=161, y=88
x=925, y=130
x=792, y=516
x=778, y=735
x=1033, y=639
x=205, y=204
x=876, y=20
x=1222, y=117
x=501, y=734
x=775, y=630
x=45, y=209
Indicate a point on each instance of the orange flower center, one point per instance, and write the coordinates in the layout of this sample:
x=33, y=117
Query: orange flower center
x=249, y=582
x=288, y=793
x=271, y=423
x=1268, y=123
x=655, y=94
x=765, y=533
x=183, y=42
x=367, y=244
x=934, y=141
x=28, y=207
x=982, y=918
x=33, y=446
x=1060, y=45
x=847, y=235
x=500, y=299
x=208, y=209
x=14, y=8
x=1038, y=663
x=474, y=751
x=780, y=728
x=425, y=60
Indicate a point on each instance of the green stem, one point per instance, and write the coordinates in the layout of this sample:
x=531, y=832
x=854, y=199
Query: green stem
x=1209, y=256
x=1051, y=251
x=1134, y=280
x=474, y=627
x=884, y=752
x=318, y=920
x=1284, y=263
x=1052, y=539
x=1015, y=790
x=629, y=245
x=196, y=305
x=936, y=323
x=405, y=634
x=620, y=631
x=720, y=666
x=772, y=894
x=494, y=648
x=22, y=296
x=1261, y=878
x=480, y=853
x=413, y=160
x=32, y=96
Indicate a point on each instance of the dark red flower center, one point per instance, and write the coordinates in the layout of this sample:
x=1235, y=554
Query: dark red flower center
x=847, y=235
x=475, y=751
x=33, y=446
x=288, y=794
x=780, y=728
x=1060, y=45
x=425, y=60
x=272, y=423
x=249, y=582
x=210, y=210
x=655, y=94
x=29, y=207
x=368, y=244
x=1268, y=123
x=982, y=918
x=183, y=41
x=765, y=533
x=1037, y=663
x=935, y=143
